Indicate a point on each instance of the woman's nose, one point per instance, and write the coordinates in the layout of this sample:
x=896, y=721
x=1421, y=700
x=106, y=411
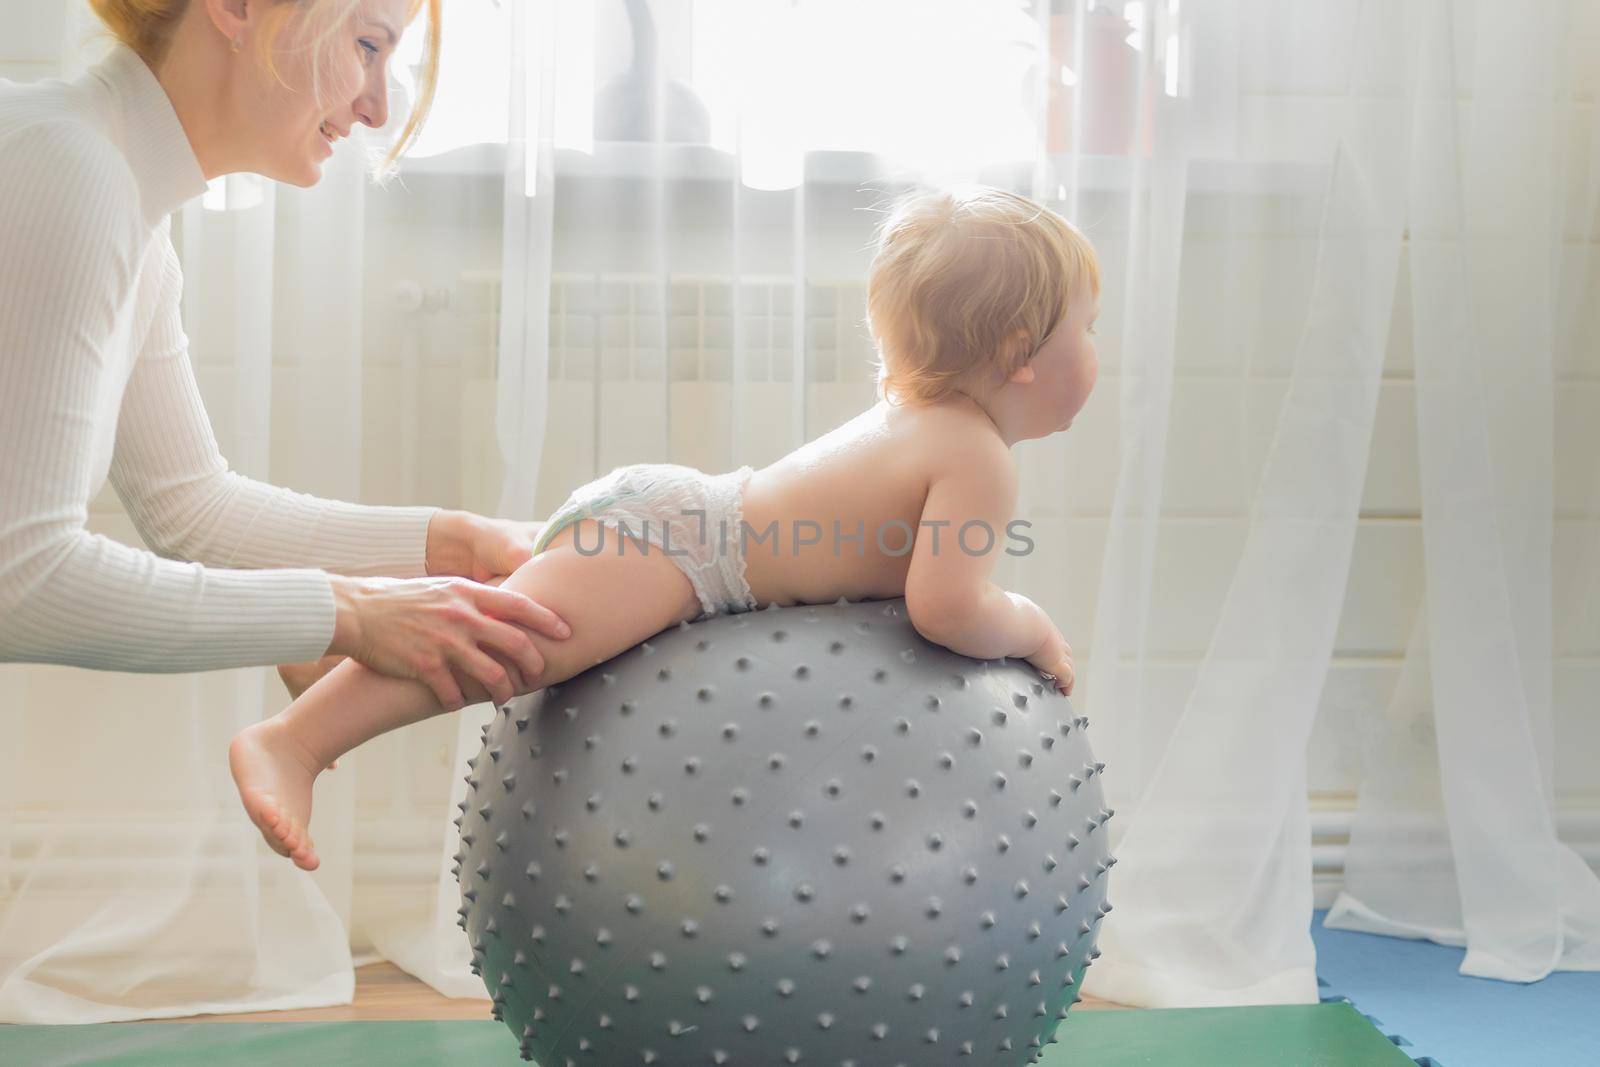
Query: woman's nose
x=373, y=106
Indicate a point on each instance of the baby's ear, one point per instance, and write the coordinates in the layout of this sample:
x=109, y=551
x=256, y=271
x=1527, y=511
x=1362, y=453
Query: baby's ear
x=1020, y=344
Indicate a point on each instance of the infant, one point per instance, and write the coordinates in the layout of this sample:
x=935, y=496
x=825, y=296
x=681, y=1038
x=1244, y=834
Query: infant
x=981, y=305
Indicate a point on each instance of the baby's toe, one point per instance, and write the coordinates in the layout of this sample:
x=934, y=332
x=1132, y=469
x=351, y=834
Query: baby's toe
x=288, y=833
x=304, y=853
x=265, y=817
x=272, y=841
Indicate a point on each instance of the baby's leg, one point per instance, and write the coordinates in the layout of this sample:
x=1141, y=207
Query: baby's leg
x=298, y=677
x=612, y=602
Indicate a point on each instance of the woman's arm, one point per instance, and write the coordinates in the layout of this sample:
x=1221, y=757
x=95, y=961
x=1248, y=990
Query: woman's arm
x=69, y=227
x=187, y=504
x=75, y=242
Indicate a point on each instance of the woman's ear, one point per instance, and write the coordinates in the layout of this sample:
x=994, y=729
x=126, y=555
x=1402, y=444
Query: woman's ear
x=229, y=17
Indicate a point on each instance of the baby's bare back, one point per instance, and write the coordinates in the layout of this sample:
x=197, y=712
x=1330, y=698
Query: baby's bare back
x=871, y=476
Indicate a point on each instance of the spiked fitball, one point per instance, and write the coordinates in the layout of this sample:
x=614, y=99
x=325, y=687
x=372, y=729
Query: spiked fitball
x=796, y=836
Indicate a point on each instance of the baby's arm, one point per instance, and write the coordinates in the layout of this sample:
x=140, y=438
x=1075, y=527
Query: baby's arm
x=949, y=595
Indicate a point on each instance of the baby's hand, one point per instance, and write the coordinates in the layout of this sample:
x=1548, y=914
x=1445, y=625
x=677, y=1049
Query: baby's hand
x=1054, y=661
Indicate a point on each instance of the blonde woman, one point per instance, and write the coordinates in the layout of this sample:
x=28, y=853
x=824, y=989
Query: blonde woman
x=95, y=380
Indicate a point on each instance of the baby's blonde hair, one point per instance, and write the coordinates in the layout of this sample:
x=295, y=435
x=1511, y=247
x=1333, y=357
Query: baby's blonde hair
x=146, y=26
x=965, y=286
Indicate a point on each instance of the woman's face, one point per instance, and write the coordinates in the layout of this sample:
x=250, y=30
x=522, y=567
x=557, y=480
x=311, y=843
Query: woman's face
x=296, y=129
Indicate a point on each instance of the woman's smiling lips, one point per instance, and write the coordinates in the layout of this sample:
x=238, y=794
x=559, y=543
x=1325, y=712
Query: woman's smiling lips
x=331, y=133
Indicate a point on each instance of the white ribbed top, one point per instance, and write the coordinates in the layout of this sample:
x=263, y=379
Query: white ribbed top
x=95, y=381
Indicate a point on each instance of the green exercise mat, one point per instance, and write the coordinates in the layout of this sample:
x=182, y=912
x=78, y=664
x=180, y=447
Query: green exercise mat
x=1311, y=1035
x=1290, y=1035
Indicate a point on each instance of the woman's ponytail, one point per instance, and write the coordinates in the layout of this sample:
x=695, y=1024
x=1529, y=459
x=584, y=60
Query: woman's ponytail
x=143, y=25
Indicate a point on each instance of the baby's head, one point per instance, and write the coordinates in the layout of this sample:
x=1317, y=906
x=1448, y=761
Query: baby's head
x=966, y=285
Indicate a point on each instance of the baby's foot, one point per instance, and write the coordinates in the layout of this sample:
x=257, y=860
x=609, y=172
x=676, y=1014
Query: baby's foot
x=274, y=775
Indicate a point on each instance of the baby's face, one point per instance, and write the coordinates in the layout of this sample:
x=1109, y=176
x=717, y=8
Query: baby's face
x=1065, y=366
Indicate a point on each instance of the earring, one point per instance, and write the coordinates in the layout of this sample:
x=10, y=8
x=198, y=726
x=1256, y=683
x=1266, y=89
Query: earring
x=238, y=42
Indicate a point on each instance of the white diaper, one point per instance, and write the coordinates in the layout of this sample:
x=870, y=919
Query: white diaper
x=692, y=516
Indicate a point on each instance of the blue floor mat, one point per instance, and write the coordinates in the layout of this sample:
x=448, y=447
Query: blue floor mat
x=1414, y=993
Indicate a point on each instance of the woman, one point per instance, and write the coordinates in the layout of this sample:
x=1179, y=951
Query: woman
x=95, y=380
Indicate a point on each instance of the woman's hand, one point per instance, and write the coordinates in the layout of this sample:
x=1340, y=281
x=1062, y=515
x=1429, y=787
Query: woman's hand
x=465, y=545
x=1054, y=660
x=431, y=629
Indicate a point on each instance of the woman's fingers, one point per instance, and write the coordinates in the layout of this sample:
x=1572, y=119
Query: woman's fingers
x=488, y=673
x=474, y=692
x=516, y=650
x=466, y=641
x=444, y=687
x=516, y=608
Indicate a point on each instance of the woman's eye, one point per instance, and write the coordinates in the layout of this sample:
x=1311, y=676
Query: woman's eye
x=371, y=48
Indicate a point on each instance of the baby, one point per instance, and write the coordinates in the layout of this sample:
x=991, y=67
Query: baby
x=982, y=305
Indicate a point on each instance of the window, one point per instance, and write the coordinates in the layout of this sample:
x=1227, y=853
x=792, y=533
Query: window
x=934, y=85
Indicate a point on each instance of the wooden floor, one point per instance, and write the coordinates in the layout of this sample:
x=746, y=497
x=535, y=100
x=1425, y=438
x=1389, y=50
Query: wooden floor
x=384, y=991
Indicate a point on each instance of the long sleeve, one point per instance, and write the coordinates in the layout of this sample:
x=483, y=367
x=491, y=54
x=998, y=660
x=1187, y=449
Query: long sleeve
x=186, y=503
x=72, y=241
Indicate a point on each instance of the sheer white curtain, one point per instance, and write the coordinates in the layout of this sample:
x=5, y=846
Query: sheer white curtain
x=1464, y=127
x=1214, y=773
x=1338, y=334
x=1503, y=196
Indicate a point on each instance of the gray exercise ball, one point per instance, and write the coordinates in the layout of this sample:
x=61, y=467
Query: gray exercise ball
x=800, y=835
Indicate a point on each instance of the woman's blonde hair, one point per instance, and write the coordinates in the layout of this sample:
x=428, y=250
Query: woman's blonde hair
x=146, y=26
x=965, y=286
